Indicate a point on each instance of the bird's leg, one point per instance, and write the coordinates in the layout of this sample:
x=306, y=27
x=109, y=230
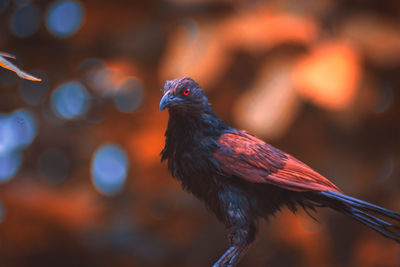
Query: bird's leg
x=241, y=251
x=235, y=208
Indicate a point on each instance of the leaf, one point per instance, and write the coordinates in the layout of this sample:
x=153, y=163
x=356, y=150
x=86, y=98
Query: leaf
x=8, y=65
x=3, y=54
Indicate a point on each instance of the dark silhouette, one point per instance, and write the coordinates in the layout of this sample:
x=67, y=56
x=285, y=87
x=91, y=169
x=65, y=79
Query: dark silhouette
x=241, y=178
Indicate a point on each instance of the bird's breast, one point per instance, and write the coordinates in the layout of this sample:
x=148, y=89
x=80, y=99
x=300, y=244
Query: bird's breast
x=193, y=165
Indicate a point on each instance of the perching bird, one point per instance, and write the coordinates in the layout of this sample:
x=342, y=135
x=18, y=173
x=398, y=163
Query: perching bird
x=243, y=179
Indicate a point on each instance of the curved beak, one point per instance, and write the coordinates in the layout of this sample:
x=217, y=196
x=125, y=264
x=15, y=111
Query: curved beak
x=165, y=101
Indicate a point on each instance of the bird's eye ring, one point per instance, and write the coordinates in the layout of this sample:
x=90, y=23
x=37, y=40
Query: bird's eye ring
x=186, y=92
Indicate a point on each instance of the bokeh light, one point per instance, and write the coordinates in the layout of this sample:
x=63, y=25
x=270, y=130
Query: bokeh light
x=33, y=93
x=70, y=100
x=91, y=64
x=23, y=127
x=64, y=18
x=9, y=164
x=109, y=169
x=4, y=135
x=190, y=27
x=129, y=95
x=270, y=106
x=335, y=62
x=104, y=81
x=17, y=130
x=53, y=165
x=25, y=21
x=385, y=99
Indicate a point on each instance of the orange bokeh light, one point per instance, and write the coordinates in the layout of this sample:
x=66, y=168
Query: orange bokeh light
x=329, y=76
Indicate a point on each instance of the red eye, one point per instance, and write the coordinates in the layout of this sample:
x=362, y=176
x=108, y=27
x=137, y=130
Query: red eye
x=186, y=92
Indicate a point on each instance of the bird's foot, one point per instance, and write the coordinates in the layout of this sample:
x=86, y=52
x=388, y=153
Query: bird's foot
x=225, y=258
x=223, y=265
x=231, y=257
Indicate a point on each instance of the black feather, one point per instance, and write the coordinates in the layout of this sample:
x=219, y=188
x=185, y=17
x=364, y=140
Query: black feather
x=361, y=211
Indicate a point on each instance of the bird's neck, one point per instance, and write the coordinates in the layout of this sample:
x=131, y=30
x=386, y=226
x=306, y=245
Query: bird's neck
x=201, y=124
x=190, y=130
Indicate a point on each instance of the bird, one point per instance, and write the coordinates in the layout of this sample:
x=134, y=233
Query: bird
x=241, y=178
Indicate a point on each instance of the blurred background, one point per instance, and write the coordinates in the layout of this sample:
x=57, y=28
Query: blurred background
x=80, y=172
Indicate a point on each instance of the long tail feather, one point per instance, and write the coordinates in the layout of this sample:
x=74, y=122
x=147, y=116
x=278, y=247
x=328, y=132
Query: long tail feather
x=361, y=211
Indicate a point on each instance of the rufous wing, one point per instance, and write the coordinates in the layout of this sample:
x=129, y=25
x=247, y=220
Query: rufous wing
x=247, y=157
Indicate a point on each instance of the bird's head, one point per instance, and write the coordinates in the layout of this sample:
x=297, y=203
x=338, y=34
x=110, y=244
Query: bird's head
x=183, y=95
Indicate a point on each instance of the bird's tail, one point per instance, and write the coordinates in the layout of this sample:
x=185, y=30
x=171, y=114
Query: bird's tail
x=369, y=214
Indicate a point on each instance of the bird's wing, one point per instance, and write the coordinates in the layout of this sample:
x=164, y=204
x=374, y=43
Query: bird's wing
x=245, y=156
